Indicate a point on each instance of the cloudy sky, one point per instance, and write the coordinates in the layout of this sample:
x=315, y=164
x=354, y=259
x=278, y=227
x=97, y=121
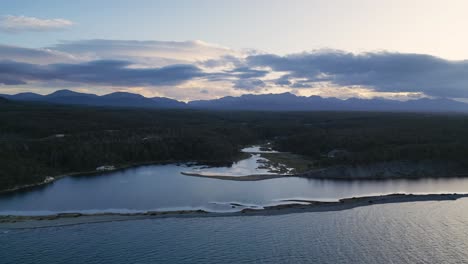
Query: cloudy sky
x=203, y=49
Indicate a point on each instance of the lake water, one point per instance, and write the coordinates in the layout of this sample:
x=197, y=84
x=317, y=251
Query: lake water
x=423, y=232
x=162, y=187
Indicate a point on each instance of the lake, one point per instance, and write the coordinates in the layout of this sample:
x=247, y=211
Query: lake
x=164, y=188
x=413, y=232
x=422, y=232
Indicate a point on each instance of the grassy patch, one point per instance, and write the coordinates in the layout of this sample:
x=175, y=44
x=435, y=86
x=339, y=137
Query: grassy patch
x=298, y=162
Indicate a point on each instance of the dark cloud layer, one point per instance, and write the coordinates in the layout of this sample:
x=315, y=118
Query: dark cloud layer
x=126, y=63
x=386, y=72
x=247, y=73
x=105, y=72
x=39, y=56
x=249, y=84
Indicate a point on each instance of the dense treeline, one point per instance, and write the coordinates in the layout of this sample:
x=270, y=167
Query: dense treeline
x=364, y=138
x=41, y=140
x=37, y=140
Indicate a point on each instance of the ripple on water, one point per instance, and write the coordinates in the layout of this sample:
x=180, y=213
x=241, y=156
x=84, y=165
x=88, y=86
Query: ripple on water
x=423, y=232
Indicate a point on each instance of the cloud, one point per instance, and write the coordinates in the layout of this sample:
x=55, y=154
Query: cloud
x=247, y=73
x=381, y=71
x=249, y=84
x=196, y=65
x=37, y=56
x=147, y=53
x=15, y=24
x=224, y=61
x=283, y=80
x=103, y=72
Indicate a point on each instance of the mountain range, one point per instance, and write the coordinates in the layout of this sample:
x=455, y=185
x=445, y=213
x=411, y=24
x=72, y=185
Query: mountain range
x=118, y=99
x=262, y=102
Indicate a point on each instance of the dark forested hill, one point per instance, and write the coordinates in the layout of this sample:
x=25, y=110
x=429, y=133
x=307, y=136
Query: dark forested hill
x=38, y=139
x=118, y=99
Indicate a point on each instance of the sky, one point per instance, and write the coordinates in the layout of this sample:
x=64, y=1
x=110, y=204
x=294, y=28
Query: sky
x=190, y=50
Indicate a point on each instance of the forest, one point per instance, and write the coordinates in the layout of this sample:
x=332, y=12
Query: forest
x=39, y=140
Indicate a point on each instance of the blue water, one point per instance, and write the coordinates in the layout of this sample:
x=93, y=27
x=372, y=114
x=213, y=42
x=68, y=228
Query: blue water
x=162, y=187
x=423, y=232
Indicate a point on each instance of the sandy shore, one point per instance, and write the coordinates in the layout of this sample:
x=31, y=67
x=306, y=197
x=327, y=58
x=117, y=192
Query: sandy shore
x=292, y=206
x=253, y=177
x=315, y=175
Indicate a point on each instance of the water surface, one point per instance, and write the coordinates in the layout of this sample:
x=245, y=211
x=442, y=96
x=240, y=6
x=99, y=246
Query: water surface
x=422, y=232
x=162, y=187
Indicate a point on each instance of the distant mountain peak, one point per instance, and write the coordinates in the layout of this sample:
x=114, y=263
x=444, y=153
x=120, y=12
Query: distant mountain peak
x=261, y=102
x=123, y=95
x=291, y=102
x=66, y=92
x=63, y=92
x=28, y=94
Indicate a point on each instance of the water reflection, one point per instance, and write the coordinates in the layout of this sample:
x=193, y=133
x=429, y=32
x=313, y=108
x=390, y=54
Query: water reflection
x=162, y=187
x=255, y=164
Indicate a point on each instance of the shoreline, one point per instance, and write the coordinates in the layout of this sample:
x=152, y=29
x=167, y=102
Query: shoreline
x=96, y=172
x=251, y=177
x=311, y=174
x=315, y=174
x=296, y=206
